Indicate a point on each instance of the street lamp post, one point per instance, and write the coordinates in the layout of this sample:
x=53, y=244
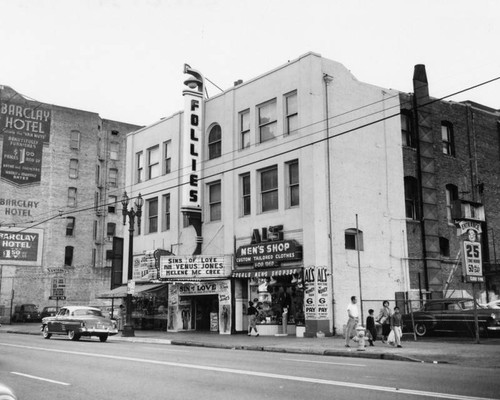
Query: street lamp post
x=128, y=328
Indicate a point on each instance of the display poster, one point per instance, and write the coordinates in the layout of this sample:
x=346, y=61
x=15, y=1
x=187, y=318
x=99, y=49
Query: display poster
x=21, y=247
x=25, y=127
x=203, y=266
x=316, y=293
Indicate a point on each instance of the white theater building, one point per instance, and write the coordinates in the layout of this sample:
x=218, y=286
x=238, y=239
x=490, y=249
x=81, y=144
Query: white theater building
x=293, y=180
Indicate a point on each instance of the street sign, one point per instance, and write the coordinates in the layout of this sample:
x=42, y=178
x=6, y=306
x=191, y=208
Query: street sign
x=57, y=297
x=473, y=262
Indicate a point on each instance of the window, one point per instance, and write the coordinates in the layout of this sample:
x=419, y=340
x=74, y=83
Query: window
x=139, y=159
x=74, y=139
x=214, y=201
x=411, y=197
x=444, y=247
x=353, y=239
x=115, y=133
x=293, y=183
x=167, y=156
x=114, y=149
x=70, y=226
x=94, y=231
x=98, y=175
x=113, y=177
x=451, y=197
x=407, y=137
x=72, y=197
x=110, y=229
x=291, y=114
x=447, y=138
x=58, y=286
x=214, y=142
x=166, y=212
x=153, y=162
x=112, y=204
x=68, y=255
x=245, y=129
x=269, y=189
x=73, y=168
x=152, y=210
x=245, y=194
x=267, y=121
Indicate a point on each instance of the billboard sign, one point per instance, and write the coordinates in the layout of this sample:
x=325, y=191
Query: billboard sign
x=21, y=247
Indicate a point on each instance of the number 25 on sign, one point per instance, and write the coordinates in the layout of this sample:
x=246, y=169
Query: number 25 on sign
x=473, y=261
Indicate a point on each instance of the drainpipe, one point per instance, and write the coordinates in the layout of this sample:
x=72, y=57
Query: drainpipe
x=327, y=79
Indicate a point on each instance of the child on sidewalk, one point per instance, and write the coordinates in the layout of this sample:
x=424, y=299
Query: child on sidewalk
x=370, y=327
x=396, y=326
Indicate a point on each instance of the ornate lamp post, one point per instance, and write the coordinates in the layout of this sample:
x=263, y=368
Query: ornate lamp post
x=128, y=328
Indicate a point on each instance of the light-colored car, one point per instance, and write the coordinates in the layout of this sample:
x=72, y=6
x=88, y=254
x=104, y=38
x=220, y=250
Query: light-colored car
x=6, y=393
x=495, y=304
x=78, y=321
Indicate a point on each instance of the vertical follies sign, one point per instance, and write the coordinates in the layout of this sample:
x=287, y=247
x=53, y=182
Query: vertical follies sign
x=25, y=127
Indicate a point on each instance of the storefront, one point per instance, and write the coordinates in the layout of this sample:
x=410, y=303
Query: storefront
x=199, y=292
x=269, y=273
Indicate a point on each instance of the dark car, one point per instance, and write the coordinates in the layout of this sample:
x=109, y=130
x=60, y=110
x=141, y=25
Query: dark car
x=453, y=315
x=48, y=312
x=78, y=321
x=26, y=313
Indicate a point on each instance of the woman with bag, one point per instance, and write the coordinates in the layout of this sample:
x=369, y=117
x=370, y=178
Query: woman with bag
x=384, y=318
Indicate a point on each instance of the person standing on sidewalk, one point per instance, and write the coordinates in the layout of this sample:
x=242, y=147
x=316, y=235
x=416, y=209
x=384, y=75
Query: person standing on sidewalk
x=353, y=315
x=370, y=327
x=396, y=324
x=384, y=318
x=252, y=319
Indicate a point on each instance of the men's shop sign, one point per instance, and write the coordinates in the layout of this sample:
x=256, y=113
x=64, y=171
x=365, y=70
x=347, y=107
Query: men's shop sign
x=269, y=254
x=26, y=128
x=203, y=266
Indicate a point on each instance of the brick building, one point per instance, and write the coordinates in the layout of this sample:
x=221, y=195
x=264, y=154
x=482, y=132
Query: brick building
x=61, y=171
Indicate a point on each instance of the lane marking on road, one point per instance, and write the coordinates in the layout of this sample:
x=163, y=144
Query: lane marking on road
x=388, y=389
x=40, y=378
x=324, y=362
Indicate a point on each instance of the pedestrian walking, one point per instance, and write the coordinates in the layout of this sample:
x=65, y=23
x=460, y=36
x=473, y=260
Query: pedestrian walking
x=370, y=327
x=396, y=325
x=252, y=319
x=384, y=319
x=352, y=322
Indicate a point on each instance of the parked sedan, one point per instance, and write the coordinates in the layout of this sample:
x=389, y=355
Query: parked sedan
x=452, y=315
x=78, y=321
x=48, y=312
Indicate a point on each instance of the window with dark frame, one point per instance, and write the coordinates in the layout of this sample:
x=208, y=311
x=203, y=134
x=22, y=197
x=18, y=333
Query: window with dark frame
x=293, y=183
x=444, y=247
x=74, y=141
x=113, y=177
x=411, y=198
x=152, y=210
x=451, y=197
x=70, y=226
x=245, y=129
x=110, y=229
x=73, y=168
x=291, y=114
x=167, y=156
x=447, y=138
x=269, y=189
x=215, y=201
x=407, y=136
x=215, y=142
x=139, y=167
x=353, y=239
x=267, y=121
x=112, y=204
x=153, y=162
x=166, y=212
x=246, y=194
x=68, y=255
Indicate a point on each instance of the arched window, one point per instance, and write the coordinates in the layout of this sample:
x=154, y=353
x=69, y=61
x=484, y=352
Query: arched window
x=353, y=239
x=411, y=197
x=214, y=142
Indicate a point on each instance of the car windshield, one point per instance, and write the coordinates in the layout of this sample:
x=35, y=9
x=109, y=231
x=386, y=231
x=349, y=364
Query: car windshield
x=30, y=307
x=83, y=312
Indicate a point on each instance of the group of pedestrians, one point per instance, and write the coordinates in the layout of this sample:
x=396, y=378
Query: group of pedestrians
x=391, y=323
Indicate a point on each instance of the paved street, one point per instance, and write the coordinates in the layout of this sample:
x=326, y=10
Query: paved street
x=149, y=368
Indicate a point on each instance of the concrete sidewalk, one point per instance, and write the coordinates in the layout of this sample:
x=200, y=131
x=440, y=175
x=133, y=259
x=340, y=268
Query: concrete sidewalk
x=452, y=350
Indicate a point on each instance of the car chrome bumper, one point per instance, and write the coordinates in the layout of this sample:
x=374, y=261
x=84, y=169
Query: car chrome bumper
x=97, y=331
x=493, y=328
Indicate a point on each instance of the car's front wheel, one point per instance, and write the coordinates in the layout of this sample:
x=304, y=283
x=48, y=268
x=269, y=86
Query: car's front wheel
x=45, y=332
x=73, y=336
x=420, y=329
x=103, y=338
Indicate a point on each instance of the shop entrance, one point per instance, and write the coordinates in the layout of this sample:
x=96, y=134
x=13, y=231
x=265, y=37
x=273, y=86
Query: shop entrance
x=204, y=305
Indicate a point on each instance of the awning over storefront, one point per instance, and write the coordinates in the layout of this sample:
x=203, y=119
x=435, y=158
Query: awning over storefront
x=263, y=273
x=121, y=291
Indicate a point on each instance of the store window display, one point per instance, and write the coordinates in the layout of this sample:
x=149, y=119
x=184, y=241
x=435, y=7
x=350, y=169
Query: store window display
x=277, y=296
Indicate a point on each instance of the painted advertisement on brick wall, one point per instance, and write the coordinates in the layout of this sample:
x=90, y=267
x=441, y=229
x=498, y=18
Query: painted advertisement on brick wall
x=25, y=127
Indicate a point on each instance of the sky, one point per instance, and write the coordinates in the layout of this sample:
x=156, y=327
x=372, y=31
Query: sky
x=123, y=59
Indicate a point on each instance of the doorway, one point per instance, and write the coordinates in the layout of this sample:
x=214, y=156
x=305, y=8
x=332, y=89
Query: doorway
x=204, y=305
